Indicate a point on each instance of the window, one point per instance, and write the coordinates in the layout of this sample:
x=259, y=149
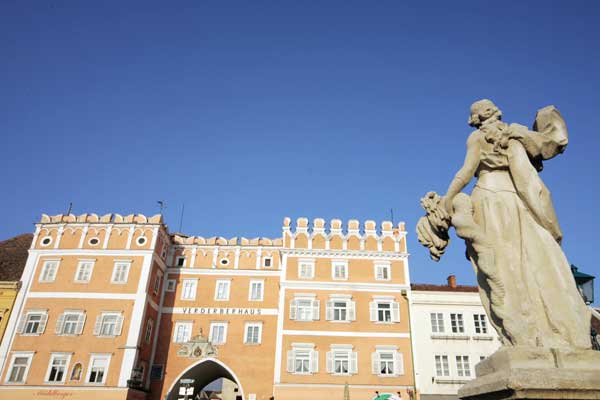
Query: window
x=141, y=240
x=384, y=311
x=157, y=280
x=171, y=283
x=49, y=270
x=108, y=324
x=188, y=292
x=182, y=332
x=70, y=323
x=462, y=366
x=93, y=241
x=156, y=372
x=387, y=361
x=148, y=335
x=57, y=370
x=341, y=360
x=33, y=322
x=304, y=309
x=306, y=269
x=256, y=291
x=268, y=262
x=224, y=261
x=382, y=272
x=339, y=270
x=456, y=322
x=253, y=333
x=480, y=323
x=218, y=332
x=341, y=309
x=98, y=368
x=303, y=359
x=19, y=367
x=180, y=261
x=46, y=240
x=441, y=366
x=222, y=290
x=84, y=271
x=120, y=272
x=437, y=322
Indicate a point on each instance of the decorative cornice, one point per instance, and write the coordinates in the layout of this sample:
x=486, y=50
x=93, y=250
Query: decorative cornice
x=345, y=253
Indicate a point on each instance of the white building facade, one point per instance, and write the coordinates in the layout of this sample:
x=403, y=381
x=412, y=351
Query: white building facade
x=451, y=334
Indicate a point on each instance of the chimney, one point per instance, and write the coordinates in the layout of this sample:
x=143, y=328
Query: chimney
x=452, y=281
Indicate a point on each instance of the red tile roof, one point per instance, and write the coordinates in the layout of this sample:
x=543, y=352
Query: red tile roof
x=13, y=256
x=427, y=287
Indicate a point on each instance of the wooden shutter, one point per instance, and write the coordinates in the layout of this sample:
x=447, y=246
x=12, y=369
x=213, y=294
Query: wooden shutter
x=290, y=361
x=119, y=325
x=398, y=363
x=373, y=311
x=314, y=361
x=43, y=321
x=395, y=311
x=329, y=311
x=375, y=363
x=59, y=324
x=316, y=310
x=353, y=362
x=98, y=325
x=329, y=362
x=293, y=309
x=351, y=310
x=80, y=324
x=21, y=324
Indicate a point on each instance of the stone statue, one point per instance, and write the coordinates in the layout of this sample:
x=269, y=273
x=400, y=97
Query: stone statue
x=511, y=231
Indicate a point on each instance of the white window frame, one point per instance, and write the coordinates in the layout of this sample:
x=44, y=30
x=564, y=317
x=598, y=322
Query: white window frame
x=114, y=276
x=344, y=267
x=22, y=327
x=54, y=356
x=93, y=357
x=313, y=358
x=394, y=309
x=15, y=355
x=457, y=324
x=463, y=366
x=61, y=323
x=441, y=365
x=247, y=327
x=157, y=282
x=314, y=307
x=227, y=283
x=149, y=329
x=350, y=308
x=44, y=276
x=480, y=323
x=191, y=295
x=437, y=322
x=213, y=326
x=382, y=266
x=261, y=283
x=80, y=265
x=264, y=264
x=118, y=328
x=350, y=356
x=310, y=264
x=188, y=335
x=171, y=285
x=397, y=359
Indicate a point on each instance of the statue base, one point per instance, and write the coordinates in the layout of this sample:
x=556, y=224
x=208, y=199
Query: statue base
x=536, y=373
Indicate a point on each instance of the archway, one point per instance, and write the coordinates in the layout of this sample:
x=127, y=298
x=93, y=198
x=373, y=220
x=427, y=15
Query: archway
x=203, y=372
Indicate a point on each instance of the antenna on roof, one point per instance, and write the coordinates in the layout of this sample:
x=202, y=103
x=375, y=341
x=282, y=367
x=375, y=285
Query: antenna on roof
x=181, y=217
x=161, y=205
x=70, y=208
x=392, y=216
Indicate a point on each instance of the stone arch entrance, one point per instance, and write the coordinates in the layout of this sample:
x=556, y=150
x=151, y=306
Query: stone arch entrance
x=203, y=372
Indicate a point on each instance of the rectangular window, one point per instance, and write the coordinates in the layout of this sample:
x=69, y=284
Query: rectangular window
x=306, y=269
x=339, y=270
x=341, y=362
x=386, y=363
x=222, y=290
x=304, y=309
x=253, y=333
x=120, y=272
x=182, y=332
x=84, y=271
x=218, y=332
x=19, y=368
x=180, y=261
x=256, y=291
x=442, y=368
x=480, y=323
x=384, y=310
x=70, y=323
x=49, y=270
x=148, y=335
x=108, y=324
x=59, y=363
x=188, y=291
x=33, y=323
x=456, y=322
x=382, y=272
x=157, y=280
x=437, y=322
x=98, y=368
x=171, y=284
x=462, y=366
x=302, y=359
x=268, y=262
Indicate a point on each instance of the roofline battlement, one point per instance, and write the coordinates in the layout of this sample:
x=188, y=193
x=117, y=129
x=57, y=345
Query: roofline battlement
x=104, y=219
x=221, y=241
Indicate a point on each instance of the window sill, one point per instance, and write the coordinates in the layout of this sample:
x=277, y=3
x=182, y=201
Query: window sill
x=252, y=344
x=15, y=383
x=302, y=373
x=340, y=321
x=482, y=337
x=451, y=381
x=385, y=322
x=81, y=282
x=54, y=383
x=106, y=336
x=388, y=376
x=30, y=334
x=451, y=337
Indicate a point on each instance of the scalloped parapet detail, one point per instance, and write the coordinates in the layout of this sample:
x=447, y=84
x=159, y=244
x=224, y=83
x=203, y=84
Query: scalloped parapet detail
x=221, y=241
x=105, y=219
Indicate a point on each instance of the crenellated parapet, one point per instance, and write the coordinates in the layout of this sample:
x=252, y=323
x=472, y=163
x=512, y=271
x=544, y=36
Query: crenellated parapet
x=104, y=219
x=339, y=236
x=221, y=241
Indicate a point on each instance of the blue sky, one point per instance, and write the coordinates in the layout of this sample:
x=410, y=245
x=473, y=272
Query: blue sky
x=248, y=112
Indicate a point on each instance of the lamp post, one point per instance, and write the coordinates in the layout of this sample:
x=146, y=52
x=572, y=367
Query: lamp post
x=585, y=285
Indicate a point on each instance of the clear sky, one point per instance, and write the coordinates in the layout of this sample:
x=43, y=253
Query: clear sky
x=251, y=111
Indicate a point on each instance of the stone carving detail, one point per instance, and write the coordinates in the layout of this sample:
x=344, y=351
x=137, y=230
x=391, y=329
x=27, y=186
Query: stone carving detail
x=197, y=347
x=511, y=231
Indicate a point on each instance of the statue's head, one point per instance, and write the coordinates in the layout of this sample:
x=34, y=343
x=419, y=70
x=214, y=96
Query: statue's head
x=483, y=110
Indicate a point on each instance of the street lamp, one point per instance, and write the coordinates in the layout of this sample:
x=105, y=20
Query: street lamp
x=585, y=285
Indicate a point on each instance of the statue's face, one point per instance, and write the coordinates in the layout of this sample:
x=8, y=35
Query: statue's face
x=485, y=109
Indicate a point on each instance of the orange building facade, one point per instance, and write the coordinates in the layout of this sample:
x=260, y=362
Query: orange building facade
x=116, y=307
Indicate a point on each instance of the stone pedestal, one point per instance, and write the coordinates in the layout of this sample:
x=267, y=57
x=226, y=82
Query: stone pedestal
x=526, y=373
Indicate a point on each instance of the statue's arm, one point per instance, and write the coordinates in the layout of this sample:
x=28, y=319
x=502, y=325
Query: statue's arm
x=467, y=171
